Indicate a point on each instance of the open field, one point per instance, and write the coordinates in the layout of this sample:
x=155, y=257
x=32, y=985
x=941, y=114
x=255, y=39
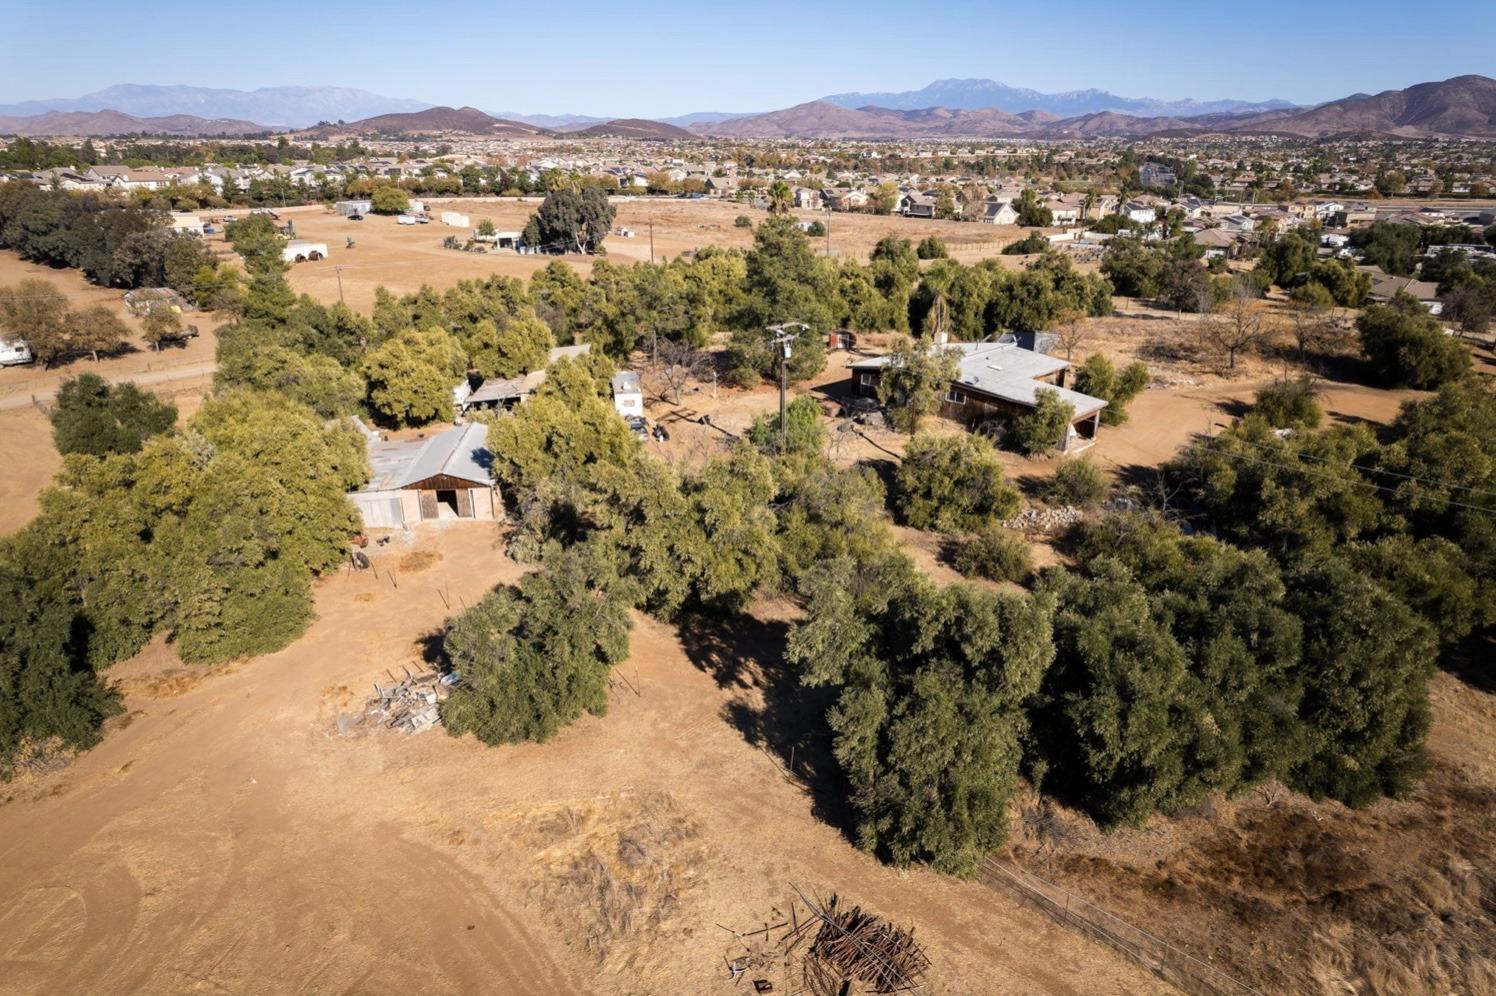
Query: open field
x=181, y=374
x=402, y=257
x=225, y=837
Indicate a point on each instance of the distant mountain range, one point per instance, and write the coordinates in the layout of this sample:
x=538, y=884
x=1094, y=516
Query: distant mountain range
x=1464, y=106
x=110, y=122
x=969, y=95
x=285, y=106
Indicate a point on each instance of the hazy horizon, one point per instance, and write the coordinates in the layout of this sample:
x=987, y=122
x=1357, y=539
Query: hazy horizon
x=686, y=59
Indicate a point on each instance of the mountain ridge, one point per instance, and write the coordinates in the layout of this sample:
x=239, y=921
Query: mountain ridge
x=93, y=124
x=978, y=94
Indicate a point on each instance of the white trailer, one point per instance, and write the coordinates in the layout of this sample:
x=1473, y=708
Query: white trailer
x=456, y=220
x=300, y=251
x=14, y=352
x=405, y=219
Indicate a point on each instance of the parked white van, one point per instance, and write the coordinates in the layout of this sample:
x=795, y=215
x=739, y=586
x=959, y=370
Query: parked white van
x=14, y=352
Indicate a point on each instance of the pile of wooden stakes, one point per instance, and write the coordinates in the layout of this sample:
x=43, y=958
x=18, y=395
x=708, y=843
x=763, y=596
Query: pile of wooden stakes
x=840, y=951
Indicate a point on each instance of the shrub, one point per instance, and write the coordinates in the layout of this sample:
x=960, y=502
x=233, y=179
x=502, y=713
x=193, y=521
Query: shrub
x=931, y=247
x=1099, y=378
x=742, y=221
x=953, y=483
x=1289, y=404
x=803, y=422
x=994, y=553
x=1406, y=346
x=1077, y=482
x=1043, y=428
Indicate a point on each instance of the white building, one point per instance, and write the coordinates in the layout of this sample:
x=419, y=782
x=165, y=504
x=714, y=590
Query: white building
x=628, y=399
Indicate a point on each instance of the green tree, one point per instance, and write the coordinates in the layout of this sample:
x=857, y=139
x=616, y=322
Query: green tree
x=411, y=376
x=1077, y=481
x=928, y=718
x=389, y=199
x=1368, y=659
x=92, y=417
x=535, y=656
x=1407, y=347
x=517, y=346
x=953, y=484
x=917, y=376
x=573, y=220
x=36, y=311
x=1100, y=379
x=1044, y=427
x=783, y=283
x=1289, y=404
x=994, y=553
x=805, y=424
x=931, y=247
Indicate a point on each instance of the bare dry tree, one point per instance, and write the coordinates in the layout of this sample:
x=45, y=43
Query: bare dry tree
x=674, y=365
x=1070, y=332
x=1240, y=323
x=1312, y=326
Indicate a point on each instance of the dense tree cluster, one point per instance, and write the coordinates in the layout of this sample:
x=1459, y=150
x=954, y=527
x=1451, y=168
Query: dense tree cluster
x=91, y=416
x=113, y=242
x=211, y=534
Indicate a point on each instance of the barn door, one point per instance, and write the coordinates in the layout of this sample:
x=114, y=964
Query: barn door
x=465, y=503
x=428, y=505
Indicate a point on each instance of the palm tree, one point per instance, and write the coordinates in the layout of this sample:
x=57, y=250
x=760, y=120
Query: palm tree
x=780, y=197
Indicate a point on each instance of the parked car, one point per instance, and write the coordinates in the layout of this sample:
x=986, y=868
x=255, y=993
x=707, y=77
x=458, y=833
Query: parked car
x=638, y=425
x=228, y=218
x=355, y=217
x=15, y=352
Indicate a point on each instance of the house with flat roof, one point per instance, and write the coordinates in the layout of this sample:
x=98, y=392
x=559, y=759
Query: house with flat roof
x=997, y=380
x=506, y=392
x=441, y=477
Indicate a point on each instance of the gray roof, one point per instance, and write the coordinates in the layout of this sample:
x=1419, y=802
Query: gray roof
x=461, y=452
x=626, y=382
x=496, y=389
x=1008, y=371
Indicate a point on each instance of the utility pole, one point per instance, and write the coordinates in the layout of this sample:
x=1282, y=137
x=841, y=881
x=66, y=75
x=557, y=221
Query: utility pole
x=782, y=337
x=339, y=271
x=651, y=242
x=828, y=229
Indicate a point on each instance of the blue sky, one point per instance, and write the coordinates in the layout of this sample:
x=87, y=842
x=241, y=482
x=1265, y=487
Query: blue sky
x=659, y=59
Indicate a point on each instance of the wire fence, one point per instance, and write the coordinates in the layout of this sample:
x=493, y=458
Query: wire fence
x=1179, y=968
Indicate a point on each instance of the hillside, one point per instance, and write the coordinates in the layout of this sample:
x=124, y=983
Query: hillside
x=463, y=120
x=1464, y=106
x=638, y=128
x=109, y=122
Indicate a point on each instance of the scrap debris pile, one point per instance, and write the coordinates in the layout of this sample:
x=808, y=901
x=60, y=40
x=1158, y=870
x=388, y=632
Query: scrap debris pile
x=411, y=704
x=839, y=951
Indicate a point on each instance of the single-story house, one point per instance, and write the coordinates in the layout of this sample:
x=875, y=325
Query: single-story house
x=997, y=380
x=1385, y=286
x=445, y=476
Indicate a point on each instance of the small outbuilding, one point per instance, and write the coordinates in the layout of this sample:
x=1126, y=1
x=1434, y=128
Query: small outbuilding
x=350, y=208
x=628, y=398
x=442, y=477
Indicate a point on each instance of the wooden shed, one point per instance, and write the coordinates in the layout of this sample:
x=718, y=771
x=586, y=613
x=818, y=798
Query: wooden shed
x=445, y=476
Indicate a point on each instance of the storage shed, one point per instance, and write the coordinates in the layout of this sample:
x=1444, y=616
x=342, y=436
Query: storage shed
x=442, y=477
x=350, y=208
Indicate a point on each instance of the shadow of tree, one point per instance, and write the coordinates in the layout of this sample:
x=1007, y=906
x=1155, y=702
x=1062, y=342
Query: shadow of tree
x=784, y=718
x=1473, y=660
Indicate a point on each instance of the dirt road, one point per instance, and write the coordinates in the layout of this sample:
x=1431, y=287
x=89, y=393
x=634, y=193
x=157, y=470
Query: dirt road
x=227, y=838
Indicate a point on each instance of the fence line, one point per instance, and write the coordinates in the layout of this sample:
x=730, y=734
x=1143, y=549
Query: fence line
x=1181, y=969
